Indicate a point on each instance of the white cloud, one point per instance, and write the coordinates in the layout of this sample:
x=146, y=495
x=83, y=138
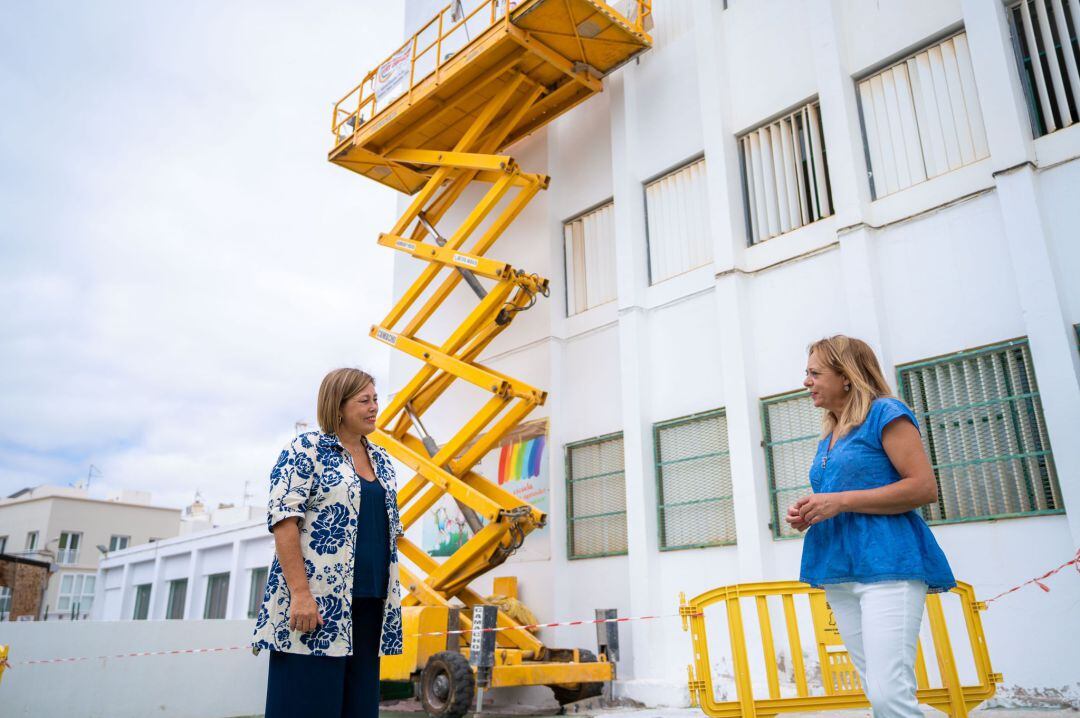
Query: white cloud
x=179, y=264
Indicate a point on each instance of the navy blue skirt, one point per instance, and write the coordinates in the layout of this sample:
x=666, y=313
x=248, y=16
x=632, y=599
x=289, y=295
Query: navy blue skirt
x=329, y=687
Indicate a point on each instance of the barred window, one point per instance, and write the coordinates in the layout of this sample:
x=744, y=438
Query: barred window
x=596, y=497
x=675, y=208
x=785, y=174
x=921, y=117
x=693, y=475
x=983, y=428
x=1051, y=79
x=791, y=426
x=590, y=259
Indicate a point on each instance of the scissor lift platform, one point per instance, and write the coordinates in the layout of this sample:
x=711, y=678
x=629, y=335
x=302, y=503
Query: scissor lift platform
x=562, y=48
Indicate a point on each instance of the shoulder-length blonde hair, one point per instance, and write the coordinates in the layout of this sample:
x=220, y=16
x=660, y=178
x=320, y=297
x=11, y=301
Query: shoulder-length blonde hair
x=854, y=360
x=338, y=387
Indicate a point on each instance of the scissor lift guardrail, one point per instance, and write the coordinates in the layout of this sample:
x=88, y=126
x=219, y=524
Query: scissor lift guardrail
x=842, y=688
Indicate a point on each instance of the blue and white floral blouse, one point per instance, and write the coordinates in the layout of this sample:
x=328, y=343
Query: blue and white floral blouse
x=315, y=480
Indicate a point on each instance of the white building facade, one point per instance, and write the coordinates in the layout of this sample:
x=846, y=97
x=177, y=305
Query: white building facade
x=65, y=527
x=218, y=573
x=768, y=174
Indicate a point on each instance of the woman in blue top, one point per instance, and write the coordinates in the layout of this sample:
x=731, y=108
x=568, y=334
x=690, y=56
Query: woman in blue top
x=866, y=543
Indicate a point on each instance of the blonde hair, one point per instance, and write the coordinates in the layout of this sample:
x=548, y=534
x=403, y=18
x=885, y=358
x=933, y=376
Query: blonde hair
x=338, y=387
x=854, y=360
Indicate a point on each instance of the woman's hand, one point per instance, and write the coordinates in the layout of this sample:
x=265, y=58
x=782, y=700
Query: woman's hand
x=304, y=614
x=795, y=519
x=816, y=508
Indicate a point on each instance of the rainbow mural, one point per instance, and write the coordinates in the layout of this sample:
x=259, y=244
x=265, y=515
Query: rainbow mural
x=521, y=460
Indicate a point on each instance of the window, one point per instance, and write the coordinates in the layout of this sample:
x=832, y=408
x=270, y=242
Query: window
x=174, y=608
x=791, y=429
x=119, y=543
x=590, y=259
x=217, y=594
x=1051, y=79
x=693, y=475
x=68, y=552
x=258, y=587
x=921, y=117
x=596, y=497
x=142, y=602
x=983, y=428
x=3, y=544
x=677, y=222
x=76, y=593
x=5, y=602
x=785, y=175
x=31, y=540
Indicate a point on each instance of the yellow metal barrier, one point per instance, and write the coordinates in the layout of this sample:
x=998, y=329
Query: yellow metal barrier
x=841, y=686
x=3, y=660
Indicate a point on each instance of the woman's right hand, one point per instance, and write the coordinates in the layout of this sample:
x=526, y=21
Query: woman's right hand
x=304, y=614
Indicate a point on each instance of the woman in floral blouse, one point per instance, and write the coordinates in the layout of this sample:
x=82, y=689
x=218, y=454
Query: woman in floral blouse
x=332, y=604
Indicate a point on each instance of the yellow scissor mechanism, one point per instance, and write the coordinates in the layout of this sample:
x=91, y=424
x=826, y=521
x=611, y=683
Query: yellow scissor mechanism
x=463, y=103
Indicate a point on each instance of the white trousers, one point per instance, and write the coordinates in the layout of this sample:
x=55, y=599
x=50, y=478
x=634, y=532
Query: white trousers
x=879, y=623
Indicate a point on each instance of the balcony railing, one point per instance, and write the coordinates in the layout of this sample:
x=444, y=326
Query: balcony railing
x=67, y=556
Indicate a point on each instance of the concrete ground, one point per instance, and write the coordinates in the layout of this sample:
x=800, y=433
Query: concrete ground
x=630, y=712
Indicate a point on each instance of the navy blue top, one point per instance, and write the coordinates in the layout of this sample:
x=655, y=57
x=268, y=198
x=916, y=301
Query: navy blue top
x=865, y=548
x=371, y=561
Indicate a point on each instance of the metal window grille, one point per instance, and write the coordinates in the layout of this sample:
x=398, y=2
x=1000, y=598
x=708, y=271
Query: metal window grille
x=791, y=427
x=217, y=594
x=596, y=498
x=693, y=476
x=1051, y=79
x=142, y=602
x=5, y=602
x=983, y=428
x=590, y=259
x=676, y=222
x=921, y=117
x=785, y=174
x=174, y=608
x=258, y=587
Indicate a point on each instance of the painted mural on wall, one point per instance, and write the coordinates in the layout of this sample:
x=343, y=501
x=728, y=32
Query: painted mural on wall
x=519, y=464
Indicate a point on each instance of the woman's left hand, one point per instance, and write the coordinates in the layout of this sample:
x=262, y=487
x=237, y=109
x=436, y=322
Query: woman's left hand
x=818, y=507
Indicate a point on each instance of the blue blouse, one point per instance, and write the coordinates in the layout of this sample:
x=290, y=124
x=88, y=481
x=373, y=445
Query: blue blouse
x=866, y=548
x=371, y=561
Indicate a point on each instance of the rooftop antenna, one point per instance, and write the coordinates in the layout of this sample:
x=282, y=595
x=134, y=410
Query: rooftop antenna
x=90, y=475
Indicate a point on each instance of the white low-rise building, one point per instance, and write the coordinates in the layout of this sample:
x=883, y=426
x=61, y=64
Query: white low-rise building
x=215, y=573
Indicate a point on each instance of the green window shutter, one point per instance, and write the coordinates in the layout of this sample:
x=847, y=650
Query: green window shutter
x=693, y=476
x=791, y=429
x=596, y=498
x=983, y=428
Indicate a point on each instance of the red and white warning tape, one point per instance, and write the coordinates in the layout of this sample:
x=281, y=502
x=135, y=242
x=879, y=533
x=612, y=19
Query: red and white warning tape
x=6, y=663
x=1038, y=581
x=584, y=622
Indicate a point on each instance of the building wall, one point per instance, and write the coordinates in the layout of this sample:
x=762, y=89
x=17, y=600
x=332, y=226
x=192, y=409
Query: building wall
x=236, y=550
x=972, y=257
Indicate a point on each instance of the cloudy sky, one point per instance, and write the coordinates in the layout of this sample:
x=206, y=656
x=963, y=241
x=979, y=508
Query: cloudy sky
x=179, y=264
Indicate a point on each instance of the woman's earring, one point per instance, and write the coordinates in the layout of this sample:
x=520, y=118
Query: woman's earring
x=847, y=387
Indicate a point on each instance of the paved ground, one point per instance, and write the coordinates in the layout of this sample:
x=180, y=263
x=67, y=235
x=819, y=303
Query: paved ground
x=624, y=712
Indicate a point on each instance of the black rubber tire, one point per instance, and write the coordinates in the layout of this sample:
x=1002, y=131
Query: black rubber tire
x=447, y=685
x=571, y=692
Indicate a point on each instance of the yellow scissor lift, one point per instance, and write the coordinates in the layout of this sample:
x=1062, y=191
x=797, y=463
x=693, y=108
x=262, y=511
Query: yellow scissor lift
x=459, y=101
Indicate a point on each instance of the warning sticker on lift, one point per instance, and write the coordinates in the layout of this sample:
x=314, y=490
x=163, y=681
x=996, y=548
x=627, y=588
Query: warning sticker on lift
x=385, y=336
x=468, y=261
x=405, y=244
